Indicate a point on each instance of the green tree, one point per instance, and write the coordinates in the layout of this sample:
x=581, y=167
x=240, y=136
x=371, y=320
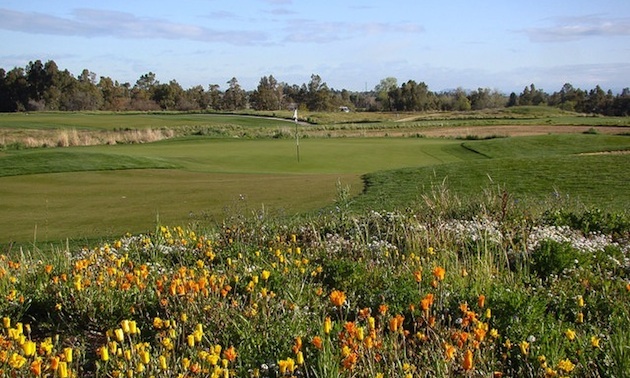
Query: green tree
x=168, y=96
x=268, y=94
x=82, y=94
x=142, y=92
x=235, y=97
x=318, y=95
x=17, y=90
x=513, y=101
x=197, y=97
x=461, y=101
x=382, y=90
x=52, y=94
x=215, y=97
x=38, y=82
x=115, y=96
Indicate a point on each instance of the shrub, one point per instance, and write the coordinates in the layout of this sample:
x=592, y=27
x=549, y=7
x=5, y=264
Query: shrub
x=552, y=258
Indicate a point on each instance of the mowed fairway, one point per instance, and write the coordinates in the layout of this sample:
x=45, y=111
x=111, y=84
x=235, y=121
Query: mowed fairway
x=208, y=179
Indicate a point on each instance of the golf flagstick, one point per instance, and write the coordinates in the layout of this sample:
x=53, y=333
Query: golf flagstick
x=297, y=137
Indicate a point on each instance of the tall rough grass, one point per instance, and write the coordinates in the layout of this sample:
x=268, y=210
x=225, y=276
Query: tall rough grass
x=74, y=137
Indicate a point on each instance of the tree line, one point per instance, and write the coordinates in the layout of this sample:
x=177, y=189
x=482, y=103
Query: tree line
x=44, y=86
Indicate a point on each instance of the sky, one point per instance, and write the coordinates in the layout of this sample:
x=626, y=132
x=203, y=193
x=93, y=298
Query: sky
x=351, y=44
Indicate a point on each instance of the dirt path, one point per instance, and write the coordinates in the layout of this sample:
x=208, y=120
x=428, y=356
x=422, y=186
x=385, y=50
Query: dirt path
x=510, y=130
x=474, y=131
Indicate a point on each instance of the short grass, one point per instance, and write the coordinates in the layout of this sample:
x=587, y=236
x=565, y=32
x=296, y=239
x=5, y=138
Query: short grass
x=87, y=192
x=537, y=168
x=213, y=175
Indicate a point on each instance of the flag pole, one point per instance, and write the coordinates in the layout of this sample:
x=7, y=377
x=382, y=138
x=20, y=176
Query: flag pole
x=297, y=136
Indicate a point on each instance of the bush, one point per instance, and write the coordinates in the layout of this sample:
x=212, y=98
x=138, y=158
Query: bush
x=552, y=258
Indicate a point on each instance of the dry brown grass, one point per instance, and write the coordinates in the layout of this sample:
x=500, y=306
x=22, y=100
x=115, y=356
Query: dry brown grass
x=73, y=137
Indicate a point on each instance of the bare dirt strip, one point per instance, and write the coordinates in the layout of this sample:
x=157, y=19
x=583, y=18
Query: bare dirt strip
x=511, y=130
x=467, y=132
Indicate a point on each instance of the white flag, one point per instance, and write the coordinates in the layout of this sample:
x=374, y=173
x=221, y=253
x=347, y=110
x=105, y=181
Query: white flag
x=295, y=117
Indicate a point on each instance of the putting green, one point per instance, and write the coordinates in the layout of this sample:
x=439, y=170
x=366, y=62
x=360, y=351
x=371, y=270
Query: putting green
x=216, y=177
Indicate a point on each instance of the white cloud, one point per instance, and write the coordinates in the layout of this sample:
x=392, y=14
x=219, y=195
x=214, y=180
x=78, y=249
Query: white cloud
x=323, y=32
x=575, y=28
x=102, y=23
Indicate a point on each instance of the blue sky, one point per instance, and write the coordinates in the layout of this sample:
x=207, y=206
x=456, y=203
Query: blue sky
x=503, y=45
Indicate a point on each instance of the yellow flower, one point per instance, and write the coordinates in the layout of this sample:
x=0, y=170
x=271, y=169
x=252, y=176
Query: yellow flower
x=29, y=348
x=16, y=361
x=162, y=360
x=119, y=333
x=595, y=341
x=265, y=275
x=145, y=357
x=67, y=352
x=579, y=319
x=125, y=326
x=566, y=365
x=286, y=366
x=494, y=333
x=104, y=353
x=524, y=345
x=570, y=334
x=327, y=325
x=580, y=301
x=63, y=369
x=550, y=373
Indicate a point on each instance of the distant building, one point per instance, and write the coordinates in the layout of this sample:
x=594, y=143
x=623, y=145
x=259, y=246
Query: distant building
x=344, y=109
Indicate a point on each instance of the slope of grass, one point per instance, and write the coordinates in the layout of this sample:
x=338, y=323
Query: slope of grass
x=57, y=161
x=549, y=145
x=599, y=181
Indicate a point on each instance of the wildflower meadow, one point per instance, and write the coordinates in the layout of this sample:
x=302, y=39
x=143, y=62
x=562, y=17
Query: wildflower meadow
x=427, y=291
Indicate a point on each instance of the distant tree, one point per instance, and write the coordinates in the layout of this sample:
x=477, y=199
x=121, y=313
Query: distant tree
x=480, y=99
x=294, y=94
x=382, y=90
x=116, y=97
x=318, y=95
x=513, y=101
x=82, y=94
x=53, y=92
x=17, y=90
x=142, y=93
x=268, y=94
x=598, y=101
x=38, y=82
x=621, y=103
x=215, y=97
x=461, y=101
x=167, y=96
x=197, y=97
x=235, y=97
